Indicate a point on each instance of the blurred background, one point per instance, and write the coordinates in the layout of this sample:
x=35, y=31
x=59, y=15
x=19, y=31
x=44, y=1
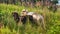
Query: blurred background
x=50, y=9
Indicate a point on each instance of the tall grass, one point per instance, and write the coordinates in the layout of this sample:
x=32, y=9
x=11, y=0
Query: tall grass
x=52, y=21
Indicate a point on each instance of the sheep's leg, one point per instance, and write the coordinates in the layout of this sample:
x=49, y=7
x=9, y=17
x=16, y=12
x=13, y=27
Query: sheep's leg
x=43, y=24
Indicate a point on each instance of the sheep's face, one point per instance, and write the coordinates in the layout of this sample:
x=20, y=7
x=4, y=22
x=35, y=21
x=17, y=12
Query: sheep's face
x=24, y=13
x=16, y=16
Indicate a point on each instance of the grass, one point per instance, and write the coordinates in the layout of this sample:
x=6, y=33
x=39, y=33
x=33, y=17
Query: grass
x=52, y=21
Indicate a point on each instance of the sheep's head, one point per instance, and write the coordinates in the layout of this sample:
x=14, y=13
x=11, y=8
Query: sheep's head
x=16, y=16
x=24, y=12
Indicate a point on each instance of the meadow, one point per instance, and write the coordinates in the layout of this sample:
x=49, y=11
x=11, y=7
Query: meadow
x=52, y=20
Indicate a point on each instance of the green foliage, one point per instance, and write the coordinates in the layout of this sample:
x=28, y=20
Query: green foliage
x=55, y=1
x=52, y=21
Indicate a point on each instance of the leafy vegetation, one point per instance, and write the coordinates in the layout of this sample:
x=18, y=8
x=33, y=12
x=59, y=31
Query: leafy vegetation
x=52, y=21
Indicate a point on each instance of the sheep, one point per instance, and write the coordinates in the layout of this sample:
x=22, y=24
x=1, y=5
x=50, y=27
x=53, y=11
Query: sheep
x=34, y=18
x=18, y=18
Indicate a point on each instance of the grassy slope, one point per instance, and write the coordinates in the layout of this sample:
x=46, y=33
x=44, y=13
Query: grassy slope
x=7, y=19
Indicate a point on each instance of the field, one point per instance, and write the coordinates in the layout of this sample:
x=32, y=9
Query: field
x=52, y=20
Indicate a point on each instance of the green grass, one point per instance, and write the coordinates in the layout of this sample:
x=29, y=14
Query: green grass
x=52, y=21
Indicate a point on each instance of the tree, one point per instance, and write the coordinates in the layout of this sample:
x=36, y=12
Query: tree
x=53, y=5
x=54, y=1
